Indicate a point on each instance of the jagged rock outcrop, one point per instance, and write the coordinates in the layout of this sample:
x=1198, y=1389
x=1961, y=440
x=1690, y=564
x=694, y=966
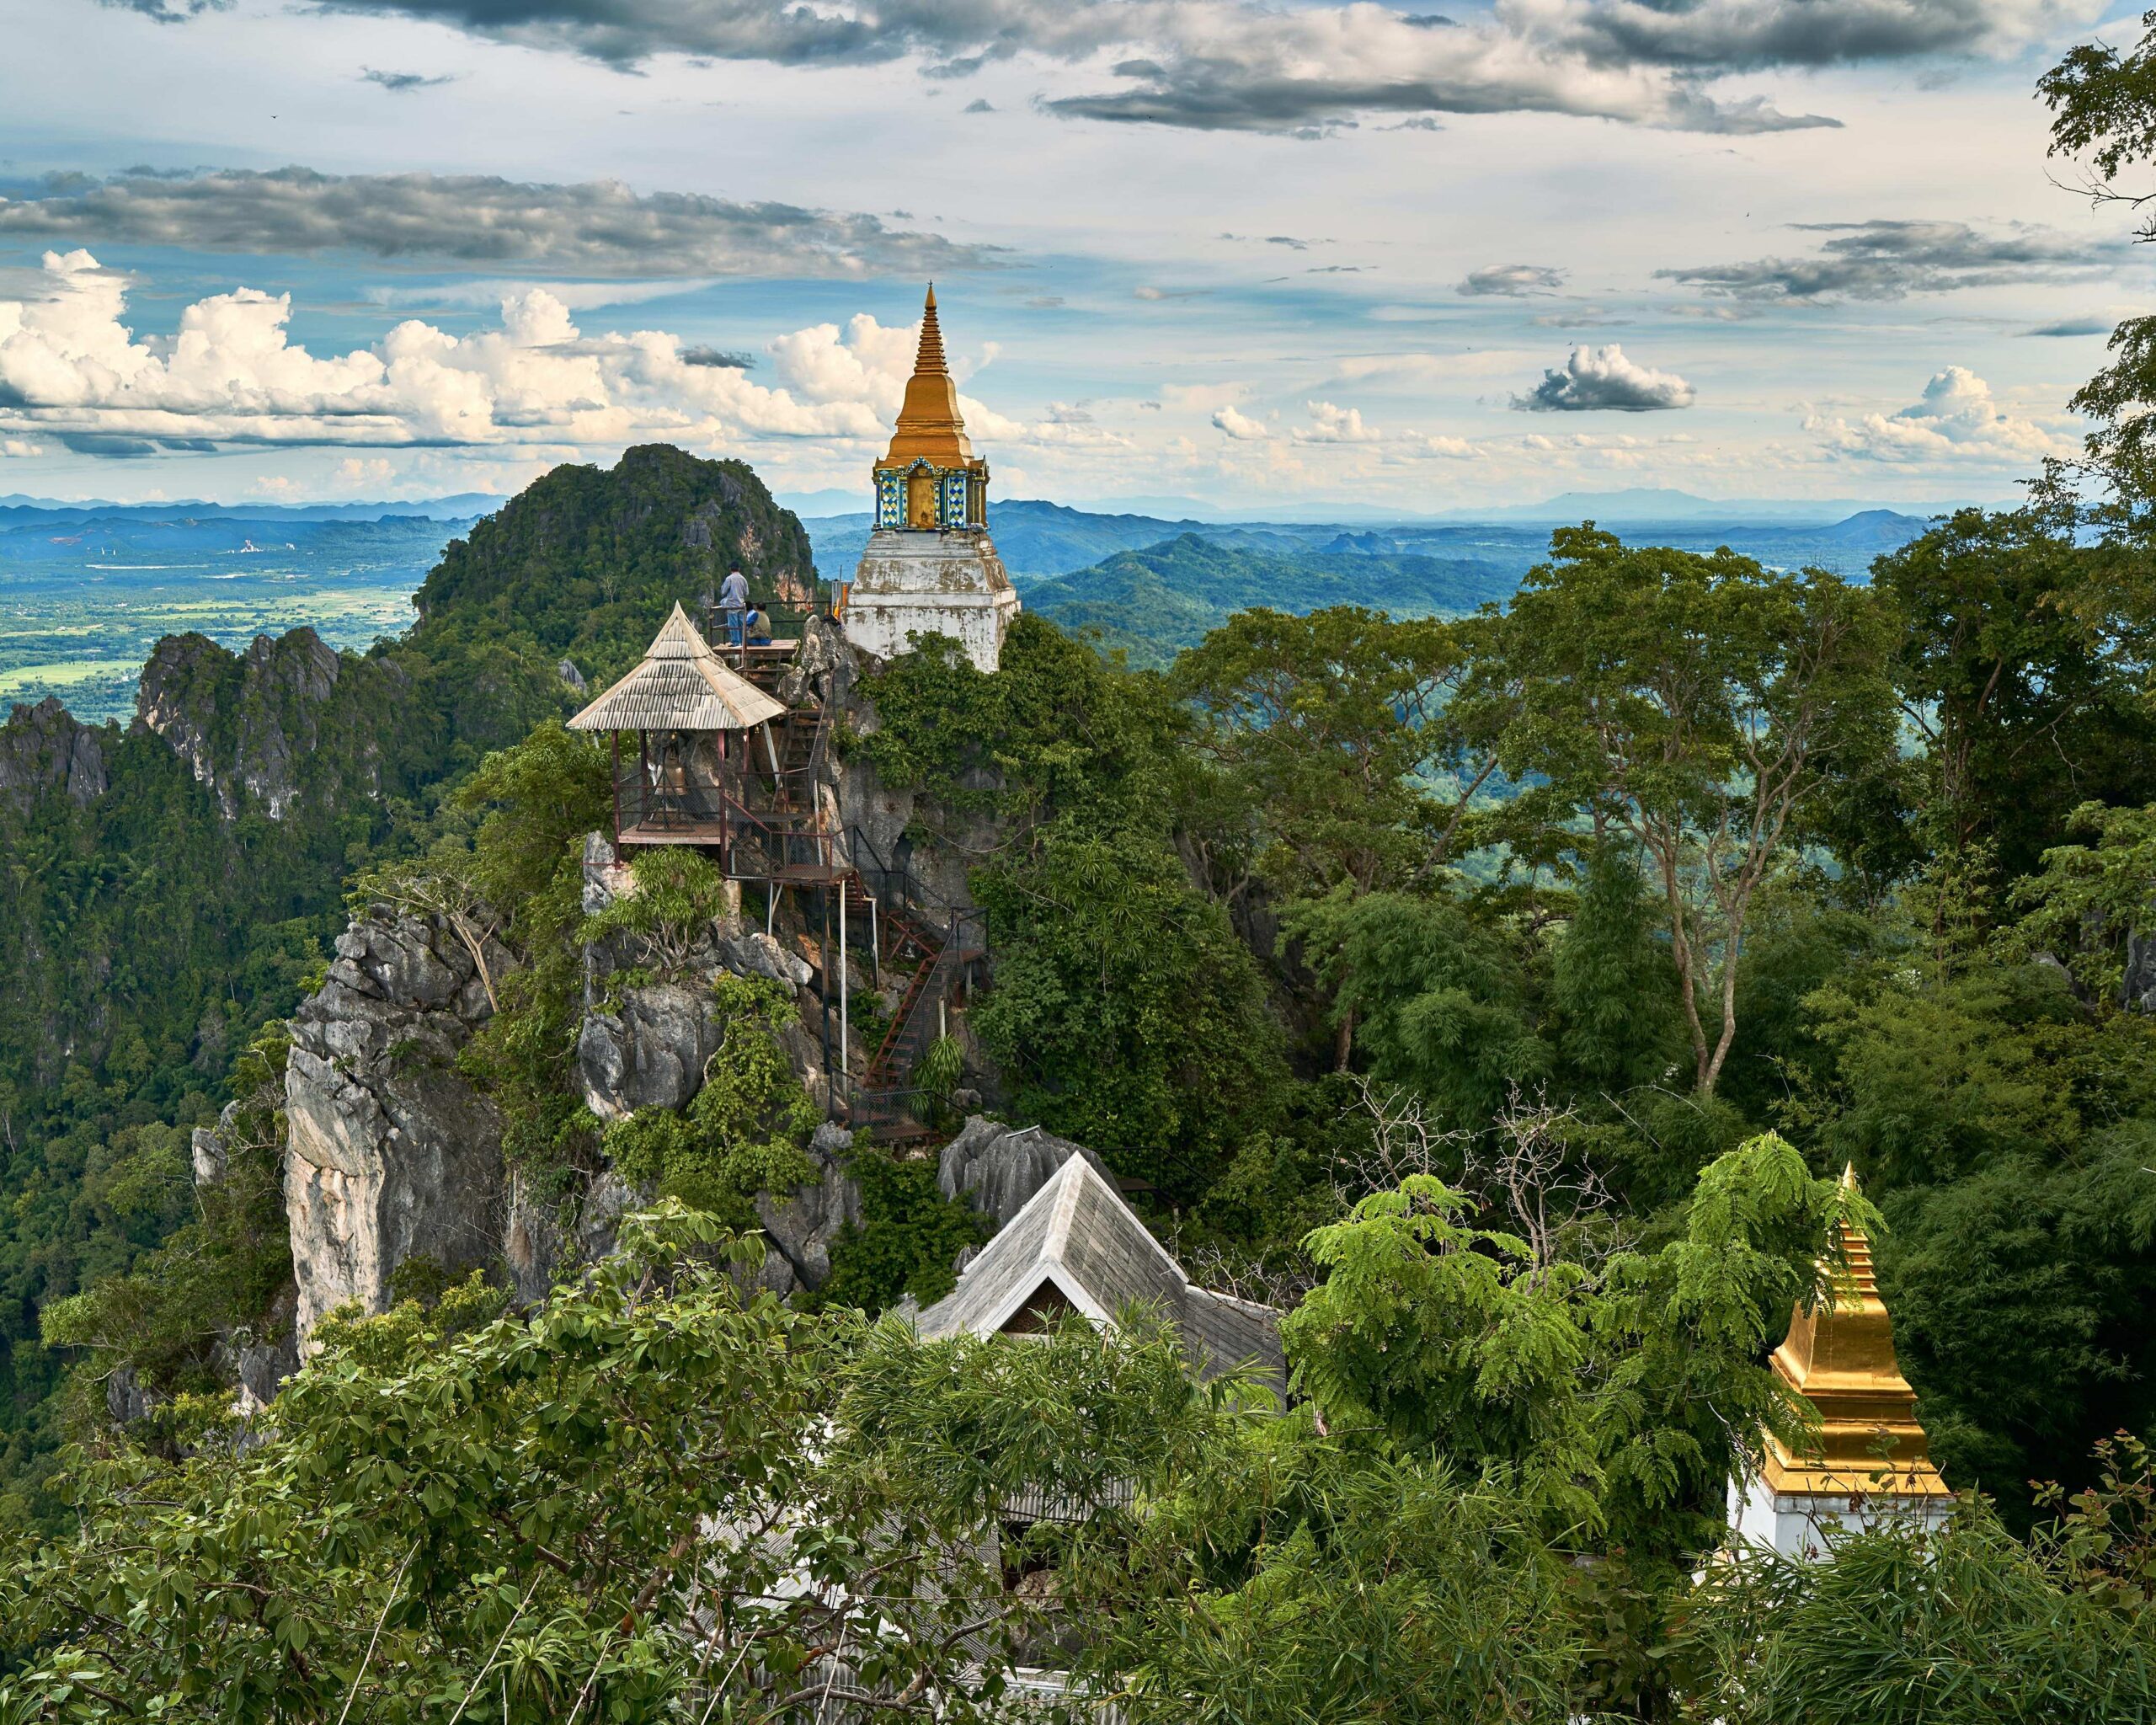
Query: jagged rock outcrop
x=996, y=1169
x=800, y=1226
x=242, y=723
x=392, y=1155
x=43, y=748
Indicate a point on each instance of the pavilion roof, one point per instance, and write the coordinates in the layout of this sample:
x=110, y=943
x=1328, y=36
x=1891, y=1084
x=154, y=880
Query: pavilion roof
x=1076, y=1243
x=681, y=685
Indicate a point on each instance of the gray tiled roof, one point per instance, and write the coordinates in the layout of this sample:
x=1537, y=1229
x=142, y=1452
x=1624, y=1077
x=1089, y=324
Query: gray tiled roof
x=681, y=685
x=1077, y=1236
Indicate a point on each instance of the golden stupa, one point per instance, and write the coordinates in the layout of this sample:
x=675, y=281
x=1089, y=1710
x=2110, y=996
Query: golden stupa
x=1840, y=1358
x=931, y=478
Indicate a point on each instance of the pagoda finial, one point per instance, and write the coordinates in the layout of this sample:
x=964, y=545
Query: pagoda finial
x=929, y=360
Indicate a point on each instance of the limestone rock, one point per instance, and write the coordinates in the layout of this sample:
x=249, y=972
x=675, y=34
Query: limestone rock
x=392, y=1154
x=569, y=673
x=996, y=1170
x=245, y=724
x=759, y=954
x=44, y=749
x=799, y=1226
x=650, y=1053
x=2138, y=988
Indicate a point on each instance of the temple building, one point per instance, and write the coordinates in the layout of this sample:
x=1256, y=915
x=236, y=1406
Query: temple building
x=1871, y=1462
x=929, y=567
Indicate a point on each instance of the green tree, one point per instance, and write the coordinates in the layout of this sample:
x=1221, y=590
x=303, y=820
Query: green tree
x=1693, y=704
x=2022, y=673
x=1614, y=1387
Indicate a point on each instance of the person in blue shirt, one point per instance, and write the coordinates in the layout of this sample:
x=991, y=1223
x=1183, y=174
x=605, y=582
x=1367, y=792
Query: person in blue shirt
x=734, y=605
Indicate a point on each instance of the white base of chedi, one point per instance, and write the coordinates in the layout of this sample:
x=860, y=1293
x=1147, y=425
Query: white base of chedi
x=1796, y=1524
x=935, y=582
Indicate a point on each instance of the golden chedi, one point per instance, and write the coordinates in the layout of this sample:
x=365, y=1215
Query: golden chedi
x=1869, y=1459
x=929, y=567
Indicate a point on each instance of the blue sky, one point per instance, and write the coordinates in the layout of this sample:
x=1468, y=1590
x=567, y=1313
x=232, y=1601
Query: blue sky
x=1257, y=255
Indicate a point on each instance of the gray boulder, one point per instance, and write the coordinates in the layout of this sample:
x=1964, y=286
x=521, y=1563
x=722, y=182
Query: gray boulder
x=997, y=1170
x=649, y=1052
x=799, y=1226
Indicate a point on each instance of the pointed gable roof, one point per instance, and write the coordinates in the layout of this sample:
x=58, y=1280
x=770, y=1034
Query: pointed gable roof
x=1077, y=1243
x=681, y=685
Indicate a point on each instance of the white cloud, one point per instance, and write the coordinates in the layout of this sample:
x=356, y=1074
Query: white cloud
x=1240, y=426
x=1956, y=421
x=1428, y=368
x=72, y=371
x=1597, y=379
x=1332, y=424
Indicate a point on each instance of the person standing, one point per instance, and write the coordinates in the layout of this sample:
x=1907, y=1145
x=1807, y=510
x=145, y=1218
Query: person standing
x=734, y=605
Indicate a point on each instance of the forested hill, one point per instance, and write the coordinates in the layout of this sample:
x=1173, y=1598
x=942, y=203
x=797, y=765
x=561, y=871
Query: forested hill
x=170, y=884
x=1151, y=604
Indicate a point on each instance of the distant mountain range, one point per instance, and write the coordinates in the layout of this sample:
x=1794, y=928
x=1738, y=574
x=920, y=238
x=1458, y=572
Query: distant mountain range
x=464, y=506
x=1039, y=540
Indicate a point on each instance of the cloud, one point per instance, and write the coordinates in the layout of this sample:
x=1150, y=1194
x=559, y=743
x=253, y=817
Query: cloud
x=1241, y=65
x=1240, y=426
x=1333, y=425
x=168, y=11
x=716, y=356
x=1169, y=293
x=70, y=370
x=1956, y=421
x=2074, y=326
x=401, y=82
x=600, y=227
x=979, y=106
x=1513, y=280
x=1883, y=260
x=1595, y=379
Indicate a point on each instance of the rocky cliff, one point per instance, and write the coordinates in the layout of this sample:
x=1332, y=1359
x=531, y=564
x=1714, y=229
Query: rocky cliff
x=250, y=724
x=392, y=1154
x=43, y=749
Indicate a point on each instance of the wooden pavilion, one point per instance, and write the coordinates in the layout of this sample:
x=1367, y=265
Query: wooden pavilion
x=720, y=761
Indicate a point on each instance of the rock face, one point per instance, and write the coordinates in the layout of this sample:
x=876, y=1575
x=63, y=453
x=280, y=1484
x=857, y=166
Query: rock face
x=799, y=1226
x=650, y=1053
x=242, y=723
x=2138, y=988
x=391, y=1155
x=997, y=1170
x=42, y=750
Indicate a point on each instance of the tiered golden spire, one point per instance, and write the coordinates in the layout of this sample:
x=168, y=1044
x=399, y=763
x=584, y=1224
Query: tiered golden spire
x=929, y=423
x=930, y=357
x=1840, y=1358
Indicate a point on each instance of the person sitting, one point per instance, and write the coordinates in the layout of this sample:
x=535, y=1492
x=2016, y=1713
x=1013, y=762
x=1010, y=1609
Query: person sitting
x=759, y=627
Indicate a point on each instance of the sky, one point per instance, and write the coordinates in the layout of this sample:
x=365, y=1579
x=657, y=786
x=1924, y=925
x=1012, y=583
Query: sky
x=1282, y=256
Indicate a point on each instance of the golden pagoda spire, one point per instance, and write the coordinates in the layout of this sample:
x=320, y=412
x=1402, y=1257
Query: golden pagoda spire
x=1839, y=1357
x=929, y=425
x=930, y=357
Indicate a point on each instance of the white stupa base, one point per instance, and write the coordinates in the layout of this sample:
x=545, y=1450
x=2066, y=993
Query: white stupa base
x=1796, y=1523
x=913, y=584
